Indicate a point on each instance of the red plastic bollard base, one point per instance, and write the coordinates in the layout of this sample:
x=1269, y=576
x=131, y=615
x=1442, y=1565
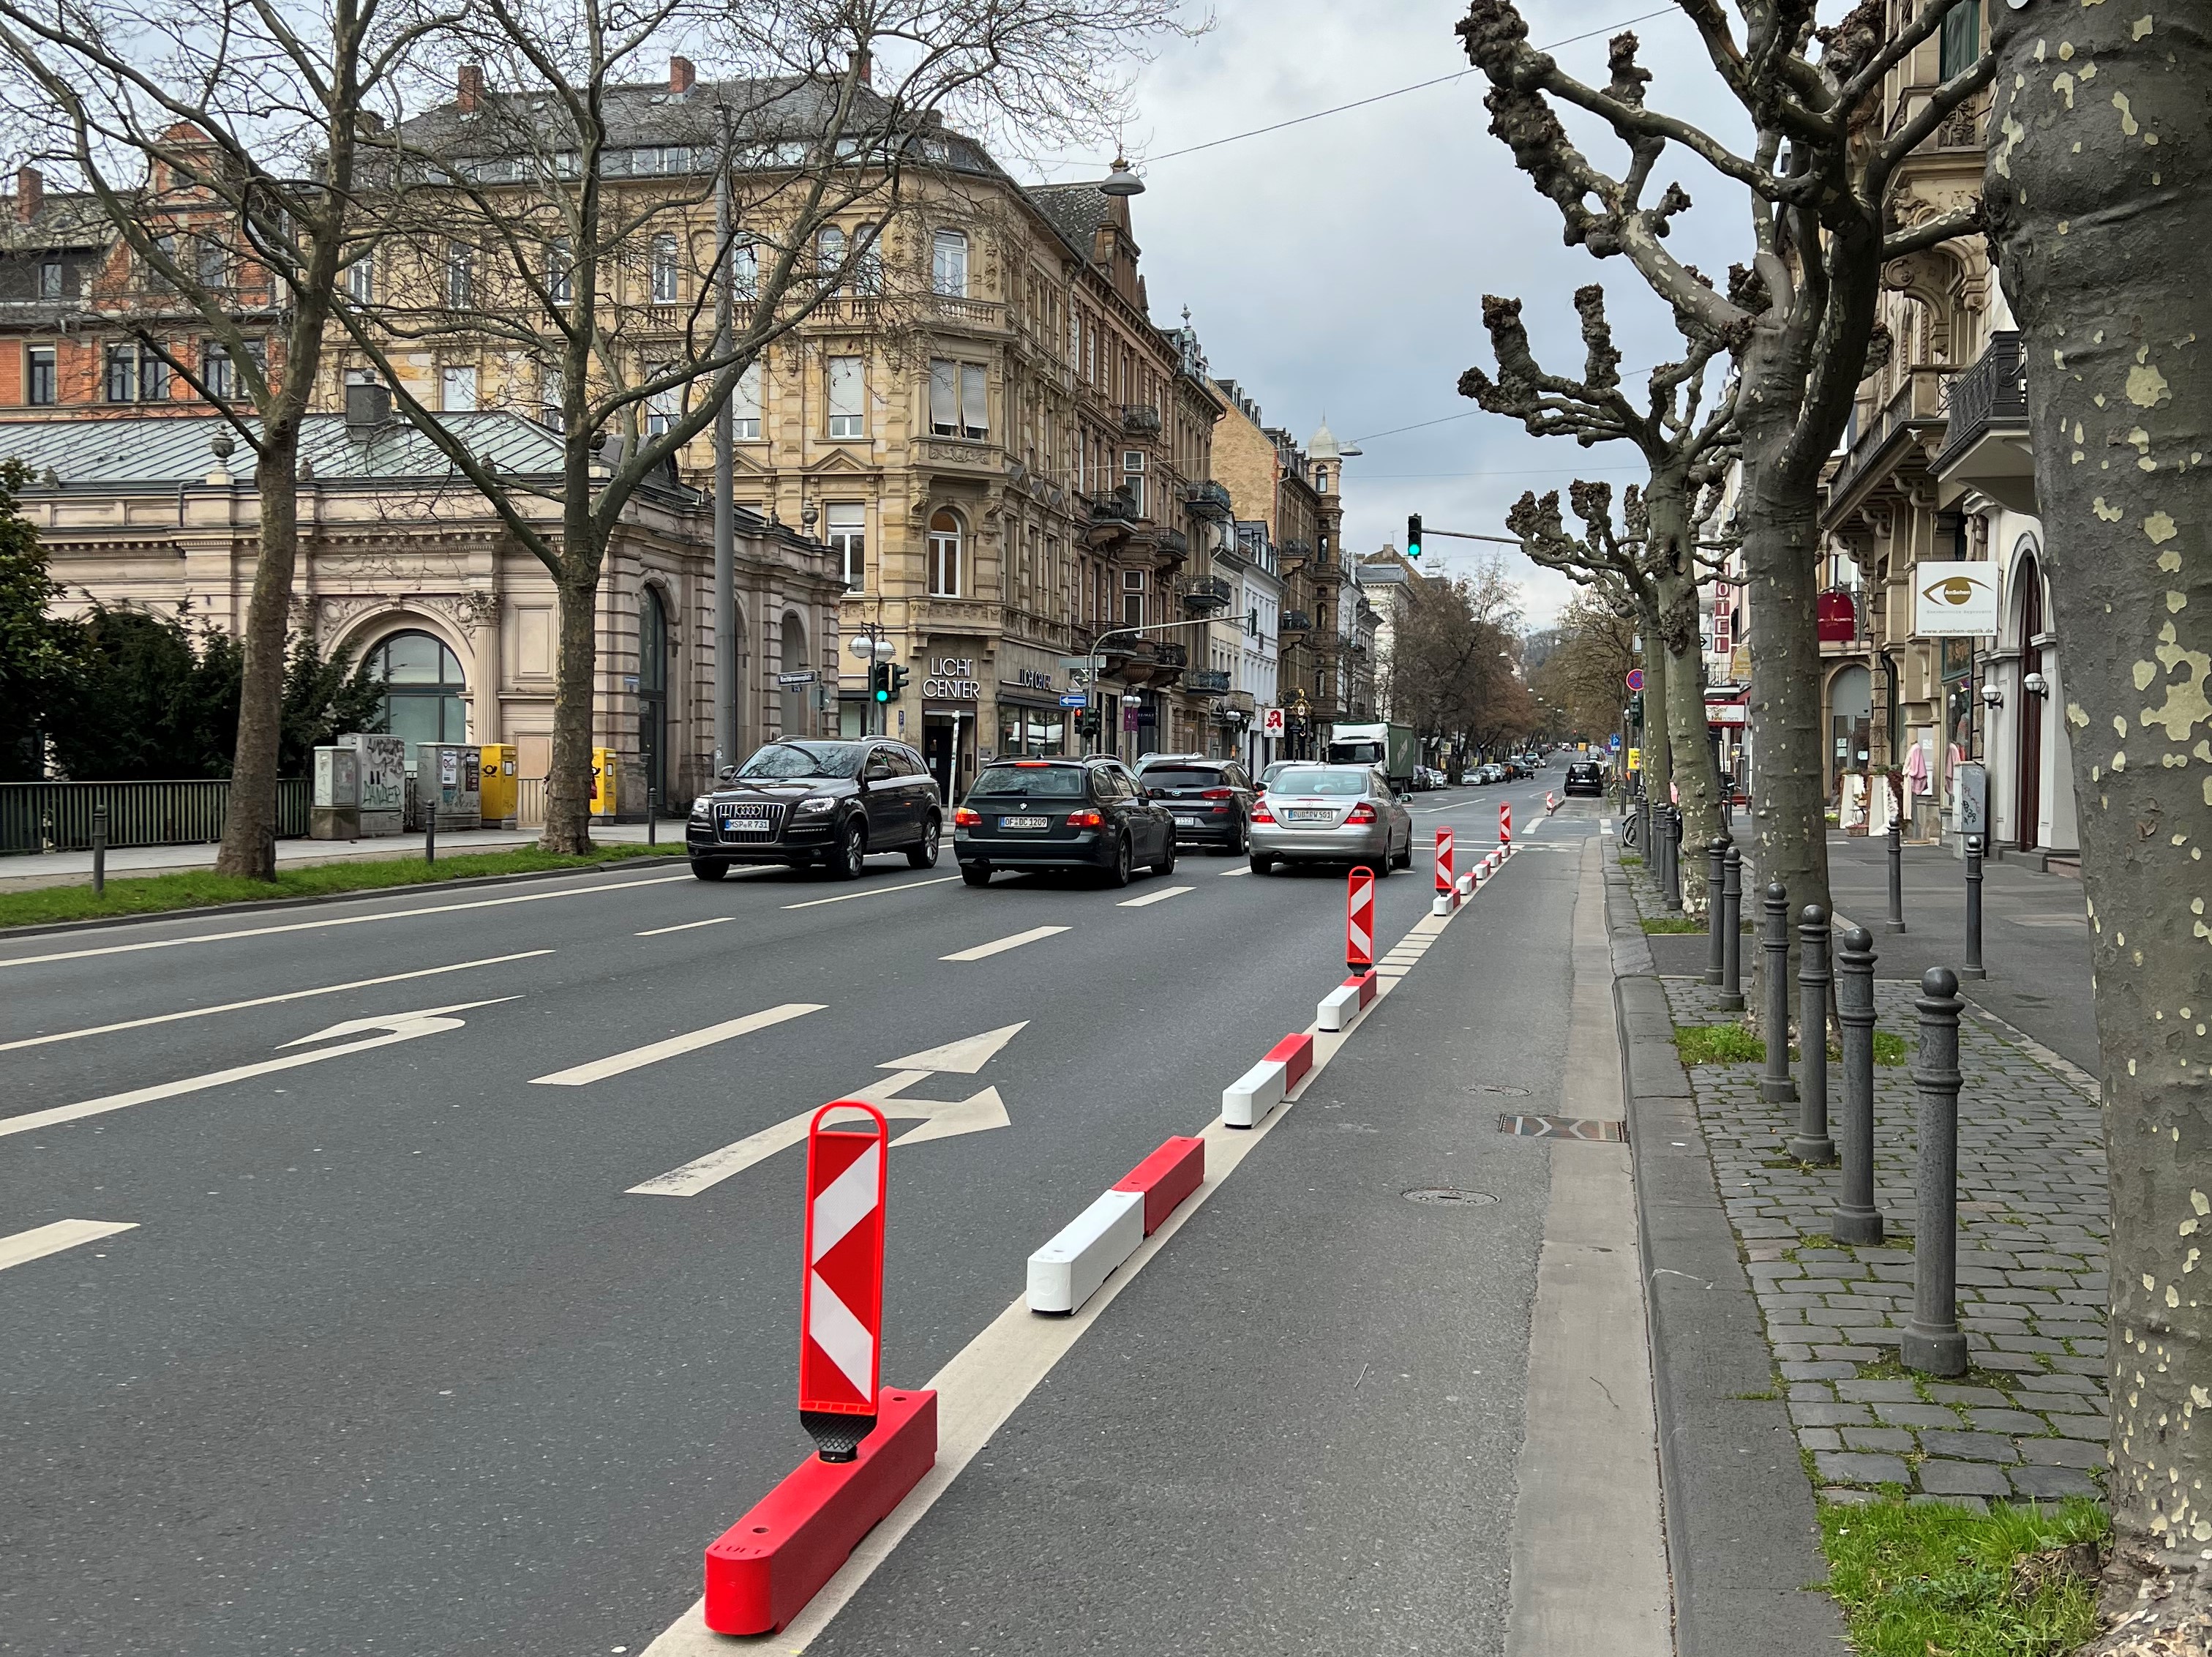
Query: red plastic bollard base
x=763, y=1570
x=1366, y=983
x=1166, y=1177
x=1295, y=1054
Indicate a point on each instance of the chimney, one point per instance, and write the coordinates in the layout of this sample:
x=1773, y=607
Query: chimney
x=368, y=405
x=469, y=98
x=30, y=193
x=681, y=73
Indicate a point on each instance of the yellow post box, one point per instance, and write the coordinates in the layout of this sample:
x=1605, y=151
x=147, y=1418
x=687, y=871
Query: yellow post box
x=603, y=762
x=497, y=785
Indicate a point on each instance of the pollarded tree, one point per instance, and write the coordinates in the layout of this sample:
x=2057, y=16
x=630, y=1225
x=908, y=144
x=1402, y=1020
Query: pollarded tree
x=1800, y=312
x=2099, y=183
x=1688, y=449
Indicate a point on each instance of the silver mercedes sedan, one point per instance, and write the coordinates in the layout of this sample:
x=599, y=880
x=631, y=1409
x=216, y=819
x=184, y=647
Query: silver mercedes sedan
x=1331, y=814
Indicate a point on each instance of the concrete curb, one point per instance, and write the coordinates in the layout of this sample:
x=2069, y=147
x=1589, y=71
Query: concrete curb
x=257, y=906
x=1742, y=1530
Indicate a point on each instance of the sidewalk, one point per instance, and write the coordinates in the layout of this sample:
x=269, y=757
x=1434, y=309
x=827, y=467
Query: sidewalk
x=75, y=868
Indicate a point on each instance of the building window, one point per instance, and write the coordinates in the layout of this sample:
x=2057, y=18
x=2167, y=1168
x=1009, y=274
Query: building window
x=214, y=370
x=664, y=269
x=746, y=405
x=360, y=279
x=423, y=690
x=560, y=272
x=868, y=262
x=745, y=270
x=959, y=401
x=457, y=389
x=211, y=265
x=828, y=257
x=1132, y=597
x=1961, y=47
x=664, y=408
x=848, y=539
x=50, y=278
x=135, y=375
x=848, y=389
x=948, y=265
x=461, y=276
x=552, y=411
x=945, y=551
x=1133, y=479
x=39, y=376
x=1321, y=480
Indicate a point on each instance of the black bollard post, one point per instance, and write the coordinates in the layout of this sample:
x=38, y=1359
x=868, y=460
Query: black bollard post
x=1896, y=921
x=1776, y=1084
x=1716, y=851
x=1857, y=1220
x=652, y=815
x=98, y=849
x=1931, y=1341
x=1731, y=996
x=1670, y=833
x=1811, y=1143
x=1973, y=967
x=430, y=830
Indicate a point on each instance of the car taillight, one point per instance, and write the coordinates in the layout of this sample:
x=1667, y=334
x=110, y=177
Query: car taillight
x=1218, y=794
x=963, y=818
x=1261, y=814
x=1084, y=820
x=1362, y=813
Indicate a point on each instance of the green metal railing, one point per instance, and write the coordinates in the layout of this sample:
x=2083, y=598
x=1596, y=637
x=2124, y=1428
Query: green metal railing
x=58, y=816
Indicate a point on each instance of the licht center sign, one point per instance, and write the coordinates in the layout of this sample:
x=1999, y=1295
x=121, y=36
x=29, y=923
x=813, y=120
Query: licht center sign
x=951, y=679
x=1954, y=601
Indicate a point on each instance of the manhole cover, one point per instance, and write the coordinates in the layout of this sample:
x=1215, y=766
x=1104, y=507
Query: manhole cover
x=1445, y=1196
x=1565, y=1127
x=1500, y=1087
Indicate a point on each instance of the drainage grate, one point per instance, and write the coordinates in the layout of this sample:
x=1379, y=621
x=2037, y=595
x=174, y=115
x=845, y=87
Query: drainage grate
x=1563, y=1127
x=1445, y=1196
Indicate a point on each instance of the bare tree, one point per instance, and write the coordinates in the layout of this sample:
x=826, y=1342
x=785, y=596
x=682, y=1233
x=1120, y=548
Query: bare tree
x=1688, y=449
x=1798, y=313
x=1451, y=668
x=1583, y=675
x=2099, y=190
x=534, y=231
x=224, y=148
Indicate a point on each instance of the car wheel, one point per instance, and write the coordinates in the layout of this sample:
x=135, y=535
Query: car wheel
x=708, y=870
x=1405, y=857
x=1262, y=864
x=1119, y=875
x=846, y=862
x=923, y=855
x=1379, y=867
x=1243, y=845
x=1166, y=863
x=975, y=873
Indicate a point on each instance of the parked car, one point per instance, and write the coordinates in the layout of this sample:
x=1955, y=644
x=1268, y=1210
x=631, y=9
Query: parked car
x=1332, y=813
x=831, y=804
x=1212, y=800
x=1585, y=777
x=1435, y=779
x=1061, y=813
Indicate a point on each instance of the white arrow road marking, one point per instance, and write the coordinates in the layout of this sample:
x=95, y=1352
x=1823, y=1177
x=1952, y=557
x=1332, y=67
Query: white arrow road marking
x=615, y=1065
x=265, y=1001
x=965, y=1056
x=999, y=946
x=398, y=1027
x=42, y=1240
x=1159, y=897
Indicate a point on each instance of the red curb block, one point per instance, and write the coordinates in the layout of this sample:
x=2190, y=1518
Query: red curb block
x=1366, y=983
x=1295, y=1055
x=1166, y=1177
x=763, y=1570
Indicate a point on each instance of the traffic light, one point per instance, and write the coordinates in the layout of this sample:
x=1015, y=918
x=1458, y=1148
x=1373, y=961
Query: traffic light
x=879, y=681
x=1413, y=536
x=1636, y=708
x=898, y=677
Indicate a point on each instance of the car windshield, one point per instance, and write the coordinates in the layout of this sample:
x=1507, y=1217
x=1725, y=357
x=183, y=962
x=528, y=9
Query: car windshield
x=1315, y=780
x=804, y=760
x=1178, y=776
x=1033, y=782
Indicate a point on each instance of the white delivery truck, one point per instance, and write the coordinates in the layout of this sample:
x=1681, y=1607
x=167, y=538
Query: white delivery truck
x=1389, y=748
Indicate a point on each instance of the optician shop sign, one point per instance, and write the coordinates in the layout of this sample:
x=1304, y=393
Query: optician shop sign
x=1954, y=600
x=951, y=679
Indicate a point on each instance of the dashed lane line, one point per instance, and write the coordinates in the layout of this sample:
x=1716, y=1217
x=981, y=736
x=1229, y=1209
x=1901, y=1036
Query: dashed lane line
x=684, y=926
x=41, y=1240
x=1159, y=897
x=1231, y=874
x=999, y=946
x=872, y=892
x=615, y=1065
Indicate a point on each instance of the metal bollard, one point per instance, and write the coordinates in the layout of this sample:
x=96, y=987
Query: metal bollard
x=98, y=849
x=430, y=832
x=1670, y=835
x=1716, y=851
x=652, y=815
x=1896, y=921
x=1811, y=1143
x=1776, y=1084
x=1973, y=968
x=1857, y=1220
x=1731, y=996
x=1932, y=1342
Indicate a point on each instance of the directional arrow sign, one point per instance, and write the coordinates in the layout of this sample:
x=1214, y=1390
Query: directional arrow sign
x=395, y=1027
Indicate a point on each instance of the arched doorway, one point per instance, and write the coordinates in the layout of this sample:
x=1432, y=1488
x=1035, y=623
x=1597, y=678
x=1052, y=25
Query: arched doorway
x=422, y=689
x=791, y=653
x=2028, y=579
x=1850, y=720
x=652, y=691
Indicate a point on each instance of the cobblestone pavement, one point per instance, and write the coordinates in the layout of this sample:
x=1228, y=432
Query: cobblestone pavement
x=2029, y=1419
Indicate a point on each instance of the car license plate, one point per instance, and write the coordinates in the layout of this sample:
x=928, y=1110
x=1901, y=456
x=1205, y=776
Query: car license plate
x=1190, y=821
x=746, y=826
x=1312, y=816
x=1021, y=822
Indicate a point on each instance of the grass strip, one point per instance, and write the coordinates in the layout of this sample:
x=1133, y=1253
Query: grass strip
x=2017, y=1582
x=153, y=894
x=1731, y=1044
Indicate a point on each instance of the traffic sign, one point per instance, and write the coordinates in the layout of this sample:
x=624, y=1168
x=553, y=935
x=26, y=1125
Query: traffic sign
x=841, y=1303
x=805, y=677
x=1635, y=679
x=1075, y=698
x=1613, y=742
x=1443, y=860
x=1504, y=822
x=1359, y=920
x=1270, y=723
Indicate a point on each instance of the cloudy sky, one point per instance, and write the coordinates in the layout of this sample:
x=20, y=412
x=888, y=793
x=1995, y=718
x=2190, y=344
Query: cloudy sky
x=1338, y=267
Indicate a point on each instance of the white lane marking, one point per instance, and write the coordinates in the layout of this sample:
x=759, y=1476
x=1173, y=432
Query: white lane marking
x=616, y=1064
x=1160, y=897
x=265, y=1001
x=703, y=1174
x=42, y=1240
x=988, y=1380
x=341, y=920
x=966, y=1057
x=1231, y=874
x=398, y=1027
x=684, y=926
x=872, y=892
x=1000, y=945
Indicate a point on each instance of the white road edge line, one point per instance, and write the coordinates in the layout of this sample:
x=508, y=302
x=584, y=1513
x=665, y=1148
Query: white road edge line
x=615, y=1065
x=990, y=1377
x=338, y=920
x=682, y=926
x=265, y=1001
x=41, y=1240
x=872, y=892
x=999, y=946
x=1154, y=896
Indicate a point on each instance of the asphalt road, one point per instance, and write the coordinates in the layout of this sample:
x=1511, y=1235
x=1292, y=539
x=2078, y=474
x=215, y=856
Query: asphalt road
x=393, y=1359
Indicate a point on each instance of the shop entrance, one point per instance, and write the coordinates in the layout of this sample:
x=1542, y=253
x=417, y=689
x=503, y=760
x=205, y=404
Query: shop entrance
x=946, y=750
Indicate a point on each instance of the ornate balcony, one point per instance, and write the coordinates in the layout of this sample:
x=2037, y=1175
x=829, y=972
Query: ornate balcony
x=1140, y=420
x=1295, y=621
x=1207, y=594
x=1985, y=444
x=1208, y=681
x=1211, y=499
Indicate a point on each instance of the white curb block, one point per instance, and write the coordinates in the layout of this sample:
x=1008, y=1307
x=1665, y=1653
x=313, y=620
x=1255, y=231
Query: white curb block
x=1253, y=1094
x=1440, y=904
x=1341, y=1006
x=1068, y=1270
